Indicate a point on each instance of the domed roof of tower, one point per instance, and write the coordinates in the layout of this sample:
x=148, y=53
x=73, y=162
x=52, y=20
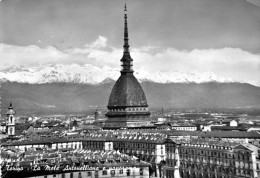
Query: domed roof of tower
x=127, y=92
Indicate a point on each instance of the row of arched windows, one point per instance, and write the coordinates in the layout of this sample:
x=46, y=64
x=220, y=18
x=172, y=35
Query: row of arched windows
x=129, y=109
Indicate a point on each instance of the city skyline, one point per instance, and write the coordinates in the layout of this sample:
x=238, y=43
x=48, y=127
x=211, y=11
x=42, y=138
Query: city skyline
x=198, y=37
x=184, y=105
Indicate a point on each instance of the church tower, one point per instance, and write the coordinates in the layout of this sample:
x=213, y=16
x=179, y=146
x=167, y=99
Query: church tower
x=127, y=105
x=10, y=123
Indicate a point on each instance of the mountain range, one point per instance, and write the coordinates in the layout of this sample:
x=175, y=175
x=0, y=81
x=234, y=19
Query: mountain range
x=73, y=97
x=78, y=88
x=89, y=74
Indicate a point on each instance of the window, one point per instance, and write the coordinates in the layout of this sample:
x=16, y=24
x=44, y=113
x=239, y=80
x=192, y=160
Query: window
x=128, y=172
x=141, y=171
x=112, y=172
x=89, y=173
x=63, y=175
x=54, y=175
x=104, y=172
x=71, y=175
x=121, y=171
x=79, y=175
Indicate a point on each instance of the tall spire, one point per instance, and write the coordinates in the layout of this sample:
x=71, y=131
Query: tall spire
x=127, y=61
x=126, y=45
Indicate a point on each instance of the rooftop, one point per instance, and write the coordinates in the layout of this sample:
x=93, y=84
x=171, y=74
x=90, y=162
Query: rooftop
x=217, y=134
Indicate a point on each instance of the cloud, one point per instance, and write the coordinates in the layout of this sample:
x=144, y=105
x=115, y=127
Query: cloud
x=255, y=2
x=234, y=63
x=29, y=55
x=226, y=62
x=101, y=42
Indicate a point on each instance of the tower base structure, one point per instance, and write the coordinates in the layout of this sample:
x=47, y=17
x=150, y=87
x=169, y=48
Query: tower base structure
x=127, y=120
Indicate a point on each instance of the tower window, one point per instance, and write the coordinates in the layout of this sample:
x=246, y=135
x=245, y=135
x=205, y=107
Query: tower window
x=11, y=131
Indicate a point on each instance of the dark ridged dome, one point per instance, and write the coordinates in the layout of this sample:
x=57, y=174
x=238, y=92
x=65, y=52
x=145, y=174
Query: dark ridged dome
x=127, y=92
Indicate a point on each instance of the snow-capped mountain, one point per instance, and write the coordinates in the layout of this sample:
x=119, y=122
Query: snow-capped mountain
x=89, y=74
x=58, y=73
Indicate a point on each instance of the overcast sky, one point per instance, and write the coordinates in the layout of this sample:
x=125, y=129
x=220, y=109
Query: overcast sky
x=219, y=36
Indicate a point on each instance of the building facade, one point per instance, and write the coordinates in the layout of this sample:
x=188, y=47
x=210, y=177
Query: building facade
x=185, y=128
x=79, y=163
x=198, y=159
x=118, y=172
